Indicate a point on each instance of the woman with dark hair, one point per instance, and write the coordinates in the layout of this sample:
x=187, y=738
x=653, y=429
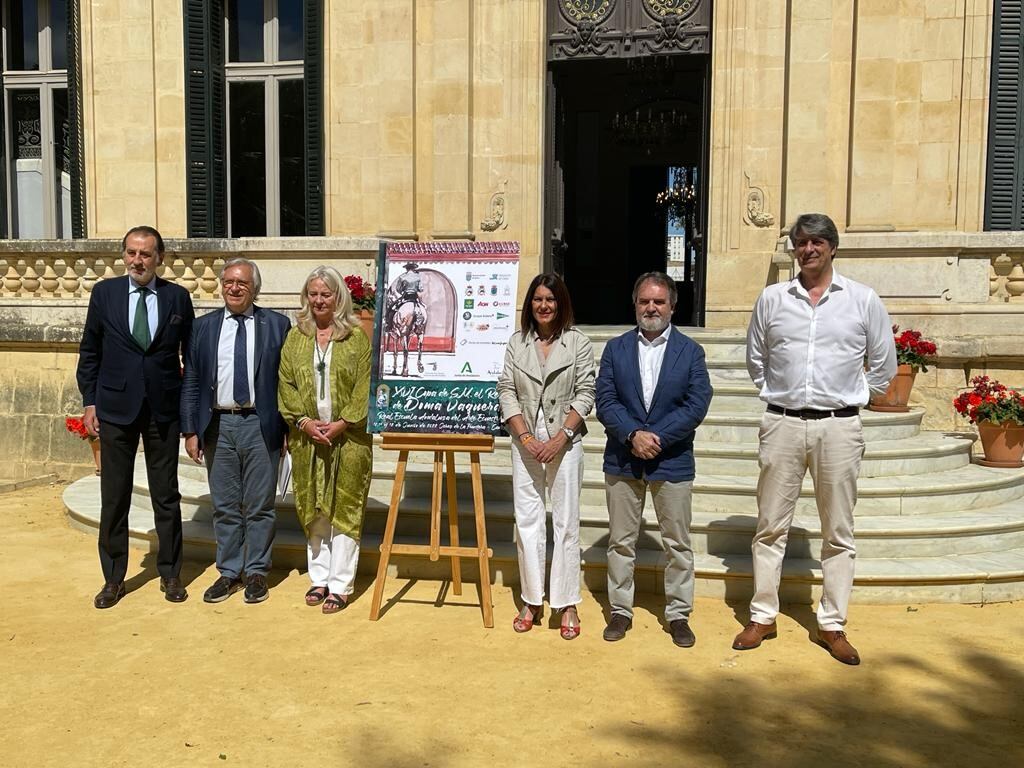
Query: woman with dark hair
x=323, y=394
x=546, y=391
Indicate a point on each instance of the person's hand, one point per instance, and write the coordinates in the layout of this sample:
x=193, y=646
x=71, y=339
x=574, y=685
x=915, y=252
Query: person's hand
x=192, y=448
x=646, y=445
x=315, y=430
x=552, y=448
x=334, y=430
x=92, y=424
x=534, y=448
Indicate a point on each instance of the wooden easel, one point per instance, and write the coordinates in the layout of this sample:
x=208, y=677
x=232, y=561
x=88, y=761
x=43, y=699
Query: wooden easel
x=444, y=447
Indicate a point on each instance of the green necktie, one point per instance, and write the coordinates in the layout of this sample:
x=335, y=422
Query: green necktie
x=140, y=327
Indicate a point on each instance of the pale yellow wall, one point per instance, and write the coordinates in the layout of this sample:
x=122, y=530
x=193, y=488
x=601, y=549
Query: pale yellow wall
x=134, y=114
x=432, y=109
x=874, y=113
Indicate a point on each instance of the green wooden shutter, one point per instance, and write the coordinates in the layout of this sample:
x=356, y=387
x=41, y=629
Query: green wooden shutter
x=4, y=165
x=1004, y=199
x=313, y=87
x=206, y=167
x=76, y=137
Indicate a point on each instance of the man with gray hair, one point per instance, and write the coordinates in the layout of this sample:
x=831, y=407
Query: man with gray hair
x=229, y=418
x=653, y=390
x=807, y=345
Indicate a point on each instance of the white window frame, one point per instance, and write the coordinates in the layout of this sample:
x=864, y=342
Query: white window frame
x=45, y=81
x=270, y=72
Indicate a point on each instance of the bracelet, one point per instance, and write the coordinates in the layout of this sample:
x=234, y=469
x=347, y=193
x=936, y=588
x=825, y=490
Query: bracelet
x=526, y=439
x=302, y=420
x=520, y=435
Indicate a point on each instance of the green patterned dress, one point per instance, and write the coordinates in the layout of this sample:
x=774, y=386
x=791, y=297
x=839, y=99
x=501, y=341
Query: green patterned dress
x=333, y=481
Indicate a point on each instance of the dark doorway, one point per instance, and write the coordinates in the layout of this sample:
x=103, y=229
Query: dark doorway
x=625, y=191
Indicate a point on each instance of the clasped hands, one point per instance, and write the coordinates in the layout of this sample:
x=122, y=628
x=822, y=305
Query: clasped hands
x=645, y=445
x=324, y=432
x=545, y=451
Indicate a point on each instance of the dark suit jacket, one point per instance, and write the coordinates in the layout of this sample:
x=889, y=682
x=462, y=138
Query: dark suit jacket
x=199, y=393
x=114, y=374
x=679, y=405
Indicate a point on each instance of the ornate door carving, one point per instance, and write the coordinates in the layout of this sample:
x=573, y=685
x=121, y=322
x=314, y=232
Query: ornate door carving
x=615, y=29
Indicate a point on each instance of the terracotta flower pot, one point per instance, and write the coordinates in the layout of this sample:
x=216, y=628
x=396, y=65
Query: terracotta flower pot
x=898, y=395
x=95, y=445
x=1003, y=444
x=366, y=322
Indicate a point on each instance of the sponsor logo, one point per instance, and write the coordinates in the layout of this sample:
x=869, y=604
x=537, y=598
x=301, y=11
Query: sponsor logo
x=467, y=304
x=482, y=304
x=501, y=316
x=494, y=290
x=466, y=368
x=482, y=290
x=501, y=303
x=467, y=315
x=469, y=290
x=483, y=327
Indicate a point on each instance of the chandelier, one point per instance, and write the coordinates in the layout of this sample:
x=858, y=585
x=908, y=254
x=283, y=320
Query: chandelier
x=653, y=126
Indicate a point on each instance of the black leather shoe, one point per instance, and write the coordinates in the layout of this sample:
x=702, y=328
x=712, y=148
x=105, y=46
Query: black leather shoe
x=174, y=591
x=222, y=589
x=109, y=595
x=256, y=588
x=682, y=635
x=617, y=627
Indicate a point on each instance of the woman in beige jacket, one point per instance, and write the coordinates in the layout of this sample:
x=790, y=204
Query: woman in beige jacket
x=546, y=391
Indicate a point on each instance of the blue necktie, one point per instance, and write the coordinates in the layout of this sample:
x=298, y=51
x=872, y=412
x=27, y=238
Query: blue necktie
x=241, y=387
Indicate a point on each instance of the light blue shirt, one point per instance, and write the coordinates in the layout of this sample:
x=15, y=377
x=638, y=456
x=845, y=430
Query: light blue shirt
x=151, y=304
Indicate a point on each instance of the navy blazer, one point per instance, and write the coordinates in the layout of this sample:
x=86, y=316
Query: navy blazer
x=679, y=405
x=199, y=393
x=114, y=374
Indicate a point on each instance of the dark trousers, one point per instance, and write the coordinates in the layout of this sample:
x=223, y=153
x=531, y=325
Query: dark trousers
x=119, y=445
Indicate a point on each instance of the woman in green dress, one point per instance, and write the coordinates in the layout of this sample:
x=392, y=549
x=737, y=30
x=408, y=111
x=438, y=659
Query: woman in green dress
x=323, y=394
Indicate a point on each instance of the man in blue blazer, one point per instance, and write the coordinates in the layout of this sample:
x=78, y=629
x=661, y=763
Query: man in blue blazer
x=229, y=417
x=653, y=391
x=129, y=373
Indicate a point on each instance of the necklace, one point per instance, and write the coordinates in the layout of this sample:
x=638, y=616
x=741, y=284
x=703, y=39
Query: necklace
x=321, y=365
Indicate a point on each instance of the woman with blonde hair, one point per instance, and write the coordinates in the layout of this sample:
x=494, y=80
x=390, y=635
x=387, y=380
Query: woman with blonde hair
x=323, y=393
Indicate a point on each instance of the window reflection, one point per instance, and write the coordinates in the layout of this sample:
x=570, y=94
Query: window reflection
x=245, y=30
x=28, y=189
x=58, y=34
x=247, y=109
x=289, y=30
x=23, y=35
x=62, y=161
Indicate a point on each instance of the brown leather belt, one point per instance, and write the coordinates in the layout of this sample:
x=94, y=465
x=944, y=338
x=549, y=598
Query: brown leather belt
x=807, y=413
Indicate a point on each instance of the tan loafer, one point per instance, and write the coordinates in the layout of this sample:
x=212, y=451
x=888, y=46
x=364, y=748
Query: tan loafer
x=753, y=634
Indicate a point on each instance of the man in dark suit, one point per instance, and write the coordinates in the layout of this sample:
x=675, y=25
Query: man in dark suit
x=653, y=391
x=229, y=417
x=129, y=373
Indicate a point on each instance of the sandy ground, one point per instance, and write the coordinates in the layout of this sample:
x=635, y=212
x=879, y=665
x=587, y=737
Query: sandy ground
x=279, y=684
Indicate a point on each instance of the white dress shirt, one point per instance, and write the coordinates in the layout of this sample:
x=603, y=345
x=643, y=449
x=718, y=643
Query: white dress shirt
x=652, y=355
x=804, y=356
x=152, y=312
x=226, y=359
x=323, y=404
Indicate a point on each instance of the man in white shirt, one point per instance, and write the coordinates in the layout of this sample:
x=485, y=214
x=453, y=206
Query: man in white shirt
x=653, y=390
x=230, y=419
x=807, y=345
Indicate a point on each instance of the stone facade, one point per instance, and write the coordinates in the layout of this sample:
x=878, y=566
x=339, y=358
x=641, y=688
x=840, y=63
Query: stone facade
x=871, y=111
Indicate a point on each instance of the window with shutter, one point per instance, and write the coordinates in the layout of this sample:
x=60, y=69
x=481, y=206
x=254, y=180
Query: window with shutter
x=254, y=112
x=1004, y=198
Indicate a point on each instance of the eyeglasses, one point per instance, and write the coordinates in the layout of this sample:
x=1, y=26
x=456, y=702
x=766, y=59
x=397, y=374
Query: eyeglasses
x=236, y=284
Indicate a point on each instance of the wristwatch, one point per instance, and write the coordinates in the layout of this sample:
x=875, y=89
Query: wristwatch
x=630, y=436
x=568, y=432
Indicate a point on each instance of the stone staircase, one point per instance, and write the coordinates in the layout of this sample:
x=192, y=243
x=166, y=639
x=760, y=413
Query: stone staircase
x=931, y=526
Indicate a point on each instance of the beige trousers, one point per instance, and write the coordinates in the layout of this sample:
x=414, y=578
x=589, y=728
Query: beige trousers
x=831, y=449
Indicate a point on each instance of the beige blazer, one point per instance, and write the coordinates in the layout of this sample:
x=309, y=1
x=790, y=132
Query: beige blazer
x=568, y=380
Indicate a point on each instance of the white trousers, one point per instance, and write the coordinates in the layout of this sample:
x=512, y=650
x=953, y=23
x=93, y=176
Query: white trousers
x=332, y=557
x=561, y=481
x=831, y=449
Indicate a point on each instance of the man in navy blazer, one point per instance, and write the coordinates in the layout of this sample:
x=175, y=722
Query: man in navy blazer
x=129, y=373
x=653, y=391
x=229, y=417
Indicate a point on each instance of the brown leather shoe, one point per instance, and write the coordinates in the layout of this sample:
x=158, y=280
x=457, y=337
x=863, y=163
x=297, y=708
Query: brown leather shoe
x=174, y=591
x=681, y=633
x=839, y=646
x=109, y=595
x=617, y=627
x=753, y=634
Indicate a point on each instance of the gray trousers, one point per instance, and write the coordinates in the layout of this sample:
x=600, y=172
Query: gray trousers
x=625, y=497
x=243, y=482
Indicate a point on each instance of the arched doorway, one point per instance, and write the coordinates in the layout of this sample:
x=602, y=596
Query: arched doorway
x=627, y=149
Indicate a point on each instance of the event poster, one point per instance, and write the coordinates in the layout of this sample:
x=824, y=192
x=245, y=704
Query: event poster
x=445, y=311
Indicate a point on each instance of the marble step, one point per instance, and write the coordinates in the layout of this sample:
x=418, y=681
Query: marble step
x=984, y=577
x=956, y=489
x=884, y=535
